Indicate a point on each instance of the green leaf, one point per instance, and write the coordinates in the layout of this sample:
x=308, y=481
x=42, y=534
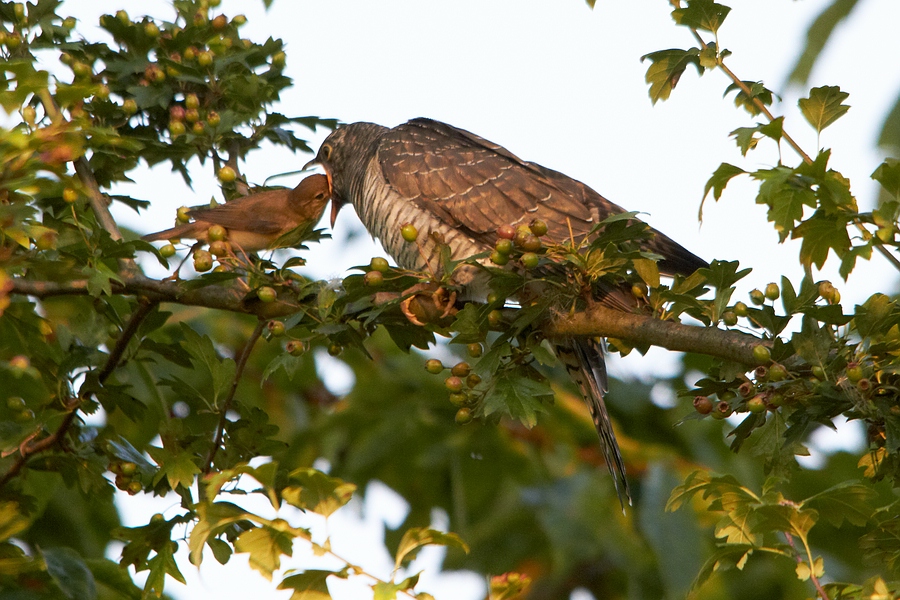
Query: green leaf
x=647, y=270
x=847, y=501
x=68, y=570
x=719, y=179
x=265, y=546
x=517, y=396
x=821, y=234
x=313, y=490
x=701, y=14
x=888, y=175
x=824, y=106
x=666, y=69
x=416, y=538
x=310, y=585
x=747, y=99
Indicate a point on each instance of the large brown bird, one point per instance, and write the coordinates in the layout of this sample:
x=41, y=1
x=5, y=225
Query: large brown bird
x=254, y=222
x=451, y=182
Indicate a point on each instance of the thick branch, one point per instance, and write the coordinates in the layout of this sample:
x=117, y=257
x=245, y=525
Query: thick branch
x=641, y=330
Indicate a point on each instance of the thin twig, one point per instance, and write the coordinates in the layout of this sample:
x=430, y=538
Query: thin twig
x=226, y=405
x=115, y=356
x=812, y=575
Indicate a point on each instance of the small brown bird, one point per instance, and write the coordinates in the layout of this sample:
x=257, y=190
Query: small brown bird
x=257, y=221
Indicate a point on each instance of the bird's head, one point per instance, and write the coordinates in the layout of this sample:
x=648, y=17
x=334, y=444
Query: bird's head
x=345, y=155
x=308, y=199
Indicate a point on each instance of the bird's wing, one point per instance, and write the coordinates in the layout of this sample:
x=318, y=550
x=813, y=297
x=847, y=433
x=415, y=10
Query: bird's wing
x=475, y=184
x=258, y=212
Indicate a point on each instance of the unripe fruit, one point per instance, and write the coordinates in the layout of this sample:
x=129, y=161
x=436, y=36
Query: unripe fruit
x=756, y=405
x=220, y=23
x=183, y=215
x=473, y=380
x=29, y=114
x=238, y=20
x=192, y=115
x=190, y=53
x=276, y=328
x=772, y=291
x=203, y=261
x=19, y=11
x=777, y=373
x=461, y=369
x=373, y=279
x=703, y=405
x=81, y=69
x=134, y=487
x=529, y=260
x=864, y=384
x=176, y=113
x=458, y=398
x=729, y=318
x=129, y=107
x=503, y=246
x=123, y=18
x=216, y=233
x=761, y=354
x=204, y=59
x=220, y=268
x=746, y=389
x=176, y=129
x=69, y=195
x=278, y=59
x=463, y=416
x=818, y=372
x=294, y=348
x=15, y=404
x=854, y=372
x=266, y=294
x=453, y=383
x=506, y=232
x=379, y=264
x=740, y=309
x=335, y=349
x=69, y=23
x=409, y=232
x=198, y=128
x=219, y=248
x=757, y=297
x=13, y=40
x=776, y=400
x=19, y=362
x=213, y=119
x=434, y=366
x=151, y=30
x=531, y=243
x=495, y=318
x=128, y=468
x=722, y=410
x=475, y=350
x=498, y=258
x=761, y=372
x=639, y=290
x=538, y=228
x=226, y=175
x=24, y=416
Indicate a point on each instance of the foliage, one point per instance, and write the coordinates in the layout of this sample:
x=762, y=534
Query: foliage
x=103, y=388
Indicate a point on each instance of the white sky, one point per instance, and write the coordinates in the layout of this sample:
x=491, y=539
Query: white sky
x=563, y=86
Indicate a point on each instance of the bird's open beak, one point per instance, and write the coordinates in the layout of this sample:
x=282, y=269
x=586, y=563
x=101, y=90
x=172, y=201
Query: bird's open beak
x=336, y=205
x=311, y=164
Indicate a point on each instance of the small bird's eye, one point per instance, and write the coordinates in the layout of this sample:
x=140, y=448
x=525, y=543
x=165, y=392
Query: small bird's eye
x=325, y=151
x=320, y=196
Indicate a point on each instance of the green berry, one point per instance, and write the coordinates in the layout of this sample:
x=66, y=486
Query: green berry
x=818, y=372
x=183, y=215
x=15, y=404
x=216, y=233
x=219, y=248
x=294, y=348
x=772, y=291
x=458, y=398
x=167, y=251
x=276, y=328
x=475, y=350
x=854, y=372
x=538, y=228
x=379, y=264
x=434, y=366
x=191, y=100
x=128, y=468
x=757, y=297
x=498, y=258
x=176, y=128
x=203, y=261
x=453, y=383
x=756, y=404
x=464, y=415
x=151, y=30
x=729, y=318
x=740, y=309
x=134, y=487
x=473, y=380
x=409, y=232
x=226, y=174
x=529, y=260
x=373, y=279
x=495, y=318
x=531, y=243
x=777, y=373
x=69, y=196
x=204, y=59
x=266, y=294
x=24, y=416
x=129, y=107
x=761, y=354
x=335, y=349
x=504, y=246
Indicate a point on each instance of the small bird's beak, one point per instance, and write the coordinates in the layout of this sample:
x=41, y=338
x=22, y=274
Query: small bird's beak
x=336, y=205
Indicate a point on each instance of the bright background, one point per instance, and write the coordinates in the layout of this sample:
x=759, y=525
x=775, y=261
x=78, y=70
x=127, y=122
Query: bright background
x=561, y=85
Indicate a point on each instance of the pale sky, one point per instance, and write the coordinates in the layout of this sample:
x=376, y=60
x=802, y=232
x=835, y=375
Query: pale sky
x=561, y=85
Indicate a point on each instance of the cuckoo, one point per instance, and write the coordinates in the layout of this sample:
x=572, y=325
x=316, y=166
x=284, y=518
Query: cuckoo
x=450, y=182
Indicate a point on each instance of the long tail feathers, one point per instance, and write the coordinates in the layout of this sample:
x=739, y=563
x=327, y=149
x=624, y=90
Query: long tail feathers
x=583, y=359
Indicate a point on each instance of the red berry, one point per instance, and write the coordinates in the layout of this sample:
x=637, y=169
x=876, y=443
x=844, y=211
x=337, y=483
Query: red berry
x=461, y=369
x=453, y=383
x=506, y=232
x=703, y=405
x=464, y=415
x=373, y=279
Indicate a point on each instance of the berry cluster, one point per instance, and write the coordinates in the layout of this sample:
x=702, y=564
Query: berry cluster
x=522, y=243
x=462, y=384
x=125, y=473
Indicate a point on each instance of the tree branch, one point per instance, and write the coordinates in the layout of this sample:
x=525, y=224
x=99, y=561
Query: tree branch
x=642, y=329
x=27, y=449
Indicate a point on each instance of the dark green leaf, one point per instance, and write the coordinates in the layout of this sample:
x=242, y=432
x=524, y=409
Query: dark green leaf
x=824, y=106
x=70, y=573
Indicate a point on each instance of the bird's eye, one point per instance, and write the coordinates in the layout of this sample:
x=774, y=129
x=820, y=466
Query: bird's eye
x=325, y=151
x=320, y=196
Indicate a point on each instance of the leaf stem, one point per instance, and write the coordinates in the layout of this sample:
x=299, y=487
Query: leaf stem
x=812, y=574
